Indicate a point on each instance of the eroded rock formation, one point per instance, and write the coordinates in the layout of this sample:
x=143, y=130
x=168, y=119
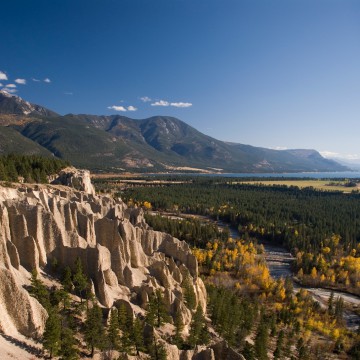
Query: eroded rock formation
x=125, y=259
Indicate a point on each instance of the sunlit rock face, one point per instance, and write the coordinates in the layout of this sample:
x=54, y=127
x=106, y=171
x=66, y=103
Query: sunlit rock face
x=124, y=258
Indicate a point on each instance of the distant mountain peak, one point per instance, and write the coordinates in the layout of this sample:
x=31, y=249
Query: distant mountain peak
x=14, y=104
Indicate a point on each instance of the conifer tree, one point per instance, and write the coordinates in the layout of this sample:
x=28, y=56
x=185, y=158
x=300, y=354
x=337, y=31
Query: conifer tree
x=189, y=294
x=52, y=333
x=125, y=325
x=157, y=313
x=179, y=326
x=39, y=290
x=303, y=352
x=68, y=349
x=137, y=336
x=261, y=341
x=279, y=346
x=113, y=334
x=156, y=350
x=339, y=309
x=94, y=329
x=80, y=279
x=198, y=333
x=66, y=280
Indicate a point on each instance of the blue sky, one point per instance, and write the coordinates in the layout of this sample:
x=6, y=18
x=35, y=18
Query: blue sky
x=271, y=73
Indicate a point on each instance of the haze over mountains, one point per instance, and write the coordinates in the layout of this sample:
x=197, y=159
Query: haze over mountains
x=117, y=143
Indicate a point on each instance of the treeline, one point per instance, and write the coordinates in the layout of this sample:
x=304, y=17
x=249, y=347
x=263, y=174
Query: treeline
x=300, y=219
x=191, y=230
x=32, y=168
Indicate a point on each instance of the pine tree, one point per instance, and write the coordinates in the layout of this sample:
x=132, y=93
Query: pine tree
x=279, y=346
x=198, y=333
x=52, y=333
x=339, y=309
x=303, y=352
x=156, y=350
x=157, y=313
x=80, y=280
x=94, y=329
x=137, y=336
x=68, y=349
x=39, y=290
x=66, y=280
x=331, y=304
x=125, y=325
x=179, y=326
x=113, y=334
x=261, y=341
x=189, y=294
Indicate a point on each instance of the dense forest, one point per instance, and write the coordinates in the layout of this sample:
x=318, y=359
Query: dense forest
x=32, y=168
x=320, y=228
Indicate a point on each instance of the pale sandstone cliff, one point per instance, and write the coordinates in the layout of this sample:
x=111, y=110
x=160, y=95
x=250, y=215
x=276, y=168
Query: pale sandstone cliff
x=124, y=258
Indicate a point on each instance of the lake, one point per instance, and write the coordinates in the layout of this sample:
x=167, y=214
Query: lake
x=304, y=175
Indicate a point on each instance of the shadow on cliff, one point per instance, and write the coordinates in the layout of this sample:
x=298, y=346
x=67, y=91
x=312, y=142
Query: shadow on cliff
x=23, y=345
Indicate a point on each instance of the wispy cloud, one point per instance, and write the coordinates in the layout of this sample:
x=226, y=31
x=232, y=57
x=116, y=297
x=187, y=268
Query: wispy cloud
x=13, y=86
x=1, y=84
x=47, y=80
x=279, y=148
x=36, y=80
x=68, y=93
x=3, y=76
x=181, y=104
x=174, y=104
x=117, y=108
x=122, y=108
x=20, y=81
x=145, y=99
x=160, y=103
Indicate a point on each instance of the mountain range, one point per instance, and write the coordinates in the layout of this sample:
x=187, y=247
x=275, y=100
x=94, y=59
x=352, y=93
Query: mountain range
x=119, y=143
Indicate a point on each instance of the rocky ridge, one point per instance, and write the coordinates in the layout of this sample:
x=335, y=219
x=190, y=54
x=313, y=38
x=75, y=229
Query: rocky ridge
x=125, y=259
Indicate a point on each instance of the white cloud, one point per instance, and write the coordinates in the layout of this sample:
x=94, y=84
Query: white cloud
x=131, y=108
x=3, y=76
x=68, y=93
x=47, y=80
x=160, y=103
x=174, y=104
x=279, y=148
x=12, y=86
x=20, y=81
x=36, y=80
x=181, y=104
x=117, y=108
x=145, y=99
x=1, y=84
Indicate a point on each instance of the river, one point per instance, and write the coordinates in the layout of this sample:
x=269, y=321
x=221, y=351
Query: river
x=279, y=262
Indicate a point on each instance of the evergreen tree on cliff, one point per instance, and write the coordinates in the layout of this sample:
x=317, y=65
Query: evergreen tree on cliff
x=52, y=333
x=94, y=329
x=198, y=331
x=157, y=313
